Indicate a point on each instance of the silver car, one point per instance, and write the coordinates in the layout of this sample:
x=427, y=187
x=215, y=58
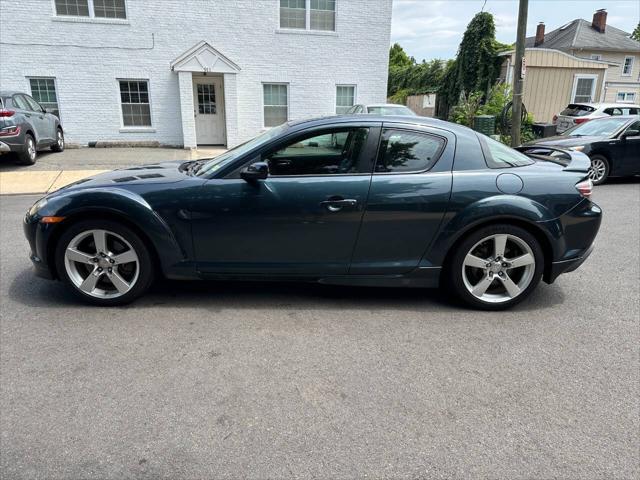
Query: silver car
x=381, y=109
x=577, y=113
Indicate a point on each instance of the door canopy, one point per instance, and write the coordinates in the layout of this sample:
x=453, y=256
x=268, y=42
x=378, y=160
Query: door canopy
x=203, y=58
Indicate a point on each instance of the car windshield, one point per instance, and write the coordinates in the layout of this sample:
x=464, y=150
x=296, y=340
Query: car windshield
x=215, y=164
x=390, y=110
x=602, y=127
x=574, y=110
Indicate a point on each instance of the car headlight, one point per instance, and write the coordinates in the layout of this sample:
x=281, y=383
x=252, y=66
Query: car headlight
x=577, y=149
x=38, y=206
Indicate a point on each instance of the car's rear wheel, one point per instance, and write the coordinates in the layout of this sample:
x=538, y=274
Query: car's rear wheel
x=496, y=267
x=599, y=170
x=104, y=262
x=59, y=145
x=30, y=153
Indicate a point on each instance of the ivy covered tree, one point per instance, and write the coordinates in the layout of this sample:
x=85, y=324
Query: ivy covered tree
x=636, y=33
x=477, y=64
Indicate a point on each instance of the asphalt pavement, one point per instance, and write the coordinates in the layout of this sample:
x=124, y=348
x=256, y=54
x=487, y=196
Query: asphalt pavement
x=265, y=380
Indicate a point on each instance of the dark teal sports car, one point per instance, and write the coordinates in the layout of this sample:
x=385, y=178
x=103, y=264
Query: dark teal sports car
x=350, y=200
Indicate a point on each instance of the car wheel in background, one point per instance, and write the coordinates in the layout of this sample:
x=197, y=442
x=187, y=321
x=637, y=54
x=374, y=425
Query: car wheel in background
x=30, y=153
x=495, y=267
x=599, y=170
x=59, y=145
x=104, y=262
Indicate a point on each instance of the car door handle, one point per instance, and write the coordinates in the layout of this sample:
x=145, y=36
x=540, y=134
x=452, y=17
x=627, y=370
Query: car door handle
x=337, y=204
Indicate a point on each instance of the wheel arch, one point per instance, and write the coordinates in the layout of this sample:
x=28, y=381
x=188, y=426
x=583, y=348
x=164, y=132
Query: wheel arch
x=97, y=214
x=531, y=227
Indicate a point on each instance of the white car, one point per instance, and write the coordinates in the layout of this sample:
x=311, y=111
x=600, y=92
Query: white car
x=381, y=109
x=577, y=113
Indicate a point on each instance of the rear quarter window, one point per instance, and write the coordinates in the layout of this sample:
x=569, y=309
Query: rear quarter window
x=574, y=110
x=498, y=155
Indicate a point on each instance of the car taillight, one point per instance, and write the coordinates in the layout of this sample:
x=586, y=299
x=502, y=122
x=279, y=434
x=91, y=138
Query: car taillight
x=555, y=119
x=585, y=188
x=578, y=121
x=6, y=113
x=10, y=131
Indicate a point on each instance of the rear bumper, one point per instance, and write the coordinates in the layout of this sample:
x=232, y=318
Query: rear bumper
x=4, y=148
x=566, y=266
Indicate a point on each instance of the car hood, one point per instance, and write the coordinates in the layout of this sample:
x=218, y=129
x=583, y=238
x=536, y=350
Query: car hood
x=566, y=141
x=157, y=173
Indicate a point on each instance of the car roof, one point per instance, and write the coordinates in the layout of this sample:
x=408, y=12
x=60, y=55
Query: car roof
x=385, y=105
x=606, y=105
x=412, y=120
x=8, y=93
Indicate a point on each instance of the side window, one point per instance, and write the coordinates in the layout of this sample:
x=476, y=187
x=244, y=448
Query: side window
x=20, y=102
x=634, y=111
x=634, y=126
x=33, y=105
x=334, y=152
x=402, y=151
x=498, y=155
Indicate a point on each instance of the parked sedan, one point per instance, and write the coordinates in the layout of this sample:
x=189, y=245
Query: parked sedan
x=26, y=127
x=612, y=144
x=381, y=109
x=347, y=200
x=579, y=113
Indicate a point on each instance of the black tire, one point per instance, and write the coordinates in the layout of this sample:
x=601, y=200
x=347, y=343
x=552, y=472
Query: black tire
x=597, y=179
x=145, y=262
x=30, y=153
x=58, y=146
x=454, y=269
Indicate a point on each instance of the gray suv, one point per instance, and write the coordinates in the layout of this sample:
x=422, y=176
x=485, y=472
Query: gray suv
x=26, y=127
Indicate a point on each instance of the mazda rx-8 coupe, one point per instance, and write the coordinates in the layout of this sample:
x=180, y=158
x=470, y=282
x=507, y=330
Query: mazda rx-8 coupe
x=346, y=200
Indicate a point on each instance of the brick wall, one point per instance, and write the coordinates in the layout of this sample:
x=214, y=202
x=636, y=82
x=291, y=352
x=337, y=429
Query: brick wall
x=246, y=31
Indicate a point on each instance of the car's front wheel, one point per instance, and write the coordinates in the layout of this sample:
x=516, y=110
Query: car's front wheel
x=104, y=262
x=599, y=170
x=496, y=267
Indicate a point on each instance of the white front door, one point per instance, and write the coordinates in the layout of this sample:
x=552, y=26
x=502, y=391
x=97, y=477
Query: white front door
x=208, y=101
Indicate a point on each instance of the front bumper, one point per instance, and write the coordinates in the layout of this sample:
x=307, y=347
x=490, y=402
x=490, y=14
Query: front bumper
x=35, y=233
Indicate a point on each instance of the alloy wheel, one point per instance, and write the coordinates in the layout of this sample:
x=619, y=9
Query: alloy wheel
x=498, y=268
x=60, y=140
x=598, y=170
x=101, y=264
x=31, y=148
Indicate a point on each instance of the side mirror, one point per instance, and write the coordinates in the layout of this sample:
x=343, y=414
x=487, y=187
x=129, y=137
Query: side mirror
x=630, y=133
x=255, y=171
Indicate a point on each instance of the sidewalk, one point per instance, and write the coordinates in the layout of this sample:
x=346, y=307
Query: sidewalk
x=55, y=170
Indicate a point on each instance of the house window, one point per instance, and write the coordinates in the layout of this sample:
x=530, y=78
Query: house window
x=75, y=8
x=626, y=97
x=293, y=14
x=43, y=90
x=583, y=88
x=109, y=9
x=92, y=8
x=134, y=98
x=345, y=98
x=308, y=14
x=627, y=68
x=276, y=104
x=596, y=56
x=323, y=15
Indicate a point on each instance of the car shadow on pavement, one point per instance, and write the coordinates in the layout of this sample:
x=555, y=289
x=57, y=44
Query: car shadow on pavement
x=217, y=295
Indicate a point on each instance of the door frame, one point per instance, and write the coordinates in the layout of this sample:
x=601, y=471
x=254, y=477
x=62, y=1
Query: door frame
x=220, y=105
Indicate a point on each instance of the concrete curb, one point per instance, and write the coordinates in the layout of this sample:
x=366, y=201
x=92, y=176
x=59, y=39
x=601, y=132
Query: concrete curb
x=43, y=181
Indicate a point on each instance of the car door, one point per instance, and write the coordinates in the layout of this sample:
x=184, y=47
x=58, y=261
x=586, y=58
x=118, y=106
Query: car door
x=630, y=151
x=409, y=195
x=301, y=220
x=45, y=128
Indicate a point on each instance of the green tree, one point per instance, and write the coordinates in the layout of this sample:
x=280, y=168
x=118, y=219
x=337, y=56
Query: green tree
x=636, y=33
x=398, y=57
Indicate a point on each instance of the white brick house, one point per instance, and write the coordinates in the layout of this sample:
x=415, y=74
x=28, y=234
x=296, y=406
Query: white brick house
x=190, y=72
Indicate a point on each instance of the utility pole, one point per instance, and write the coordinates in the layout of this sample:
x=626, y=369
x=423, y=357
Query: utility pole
x=518, y=80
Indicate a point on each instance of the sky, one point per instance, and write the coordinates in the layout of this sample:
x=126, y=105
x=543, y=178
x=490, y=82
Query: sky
x=429, y=29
